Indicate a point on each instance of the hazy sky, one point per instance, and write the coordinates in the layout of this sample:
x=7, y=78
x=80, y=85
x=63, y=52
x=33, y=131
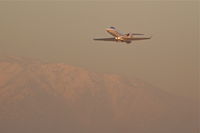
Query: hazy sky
x=63, y=32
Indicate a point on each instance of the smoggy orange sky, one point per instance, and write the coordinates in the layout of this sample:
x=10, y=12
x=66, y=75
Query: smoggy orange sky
x=64, y=32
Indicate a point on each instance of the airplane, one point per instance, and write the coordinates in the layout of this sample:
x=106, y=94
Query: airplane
x=119, y=37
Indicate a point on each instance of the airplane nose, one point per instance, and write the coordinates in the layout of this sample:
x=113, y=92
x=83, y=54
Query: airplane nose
x=107, y=29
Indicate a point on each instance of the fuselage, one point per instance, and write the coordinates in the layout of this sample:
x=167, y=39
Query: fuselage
x=113, y=32
x=118, y=36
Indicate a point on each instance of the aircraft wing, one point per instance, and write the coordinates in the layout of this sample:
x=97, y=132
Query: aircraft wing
x=104, y=39
x=139, y=38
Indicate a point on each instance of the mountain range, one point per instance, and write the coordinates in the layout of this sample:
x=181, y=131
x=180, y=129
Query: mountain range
x=40, y=97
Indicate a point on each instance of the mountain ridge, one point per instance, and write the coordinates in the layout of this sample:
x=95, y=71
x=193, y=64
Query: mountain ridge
x=31, y=89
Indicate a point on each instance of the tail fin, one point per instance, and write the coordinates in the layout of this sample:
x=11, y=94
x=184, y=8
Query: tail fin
x=112, y=27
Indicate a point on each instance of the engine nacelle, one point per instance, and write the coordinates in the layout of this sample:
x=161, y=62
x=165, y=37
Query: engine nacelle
x=129, y=35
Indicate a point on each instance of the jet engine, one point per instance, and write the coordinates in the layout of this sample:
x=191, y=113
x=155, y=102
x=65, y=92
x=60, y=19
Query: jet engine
x=129, y=35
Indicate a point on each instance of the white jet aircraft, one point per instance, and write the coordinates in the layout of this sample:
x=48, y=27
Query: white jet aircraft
x=119, y=37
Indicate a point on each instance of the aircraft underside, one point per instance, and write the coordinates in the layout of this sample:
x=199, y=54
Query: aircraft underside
x=126, y=41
